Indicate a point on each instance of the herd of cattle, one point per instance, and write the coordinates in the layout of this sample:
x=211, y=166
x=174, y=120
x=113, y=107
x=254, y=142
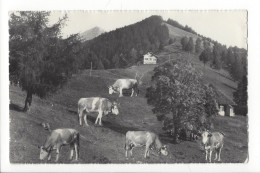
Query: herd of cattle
x=103, y=106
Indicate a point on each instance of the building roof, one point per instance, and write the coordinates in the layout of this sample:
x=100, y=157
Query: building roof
x=222, y=99
x=152, y=54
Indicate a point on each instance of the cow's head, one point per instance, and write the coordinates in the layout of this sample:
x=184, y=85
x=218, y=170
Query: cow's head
x=114, y=108
x=205, y=136
x=163, y=150
x=43, y=153
x=112, y=90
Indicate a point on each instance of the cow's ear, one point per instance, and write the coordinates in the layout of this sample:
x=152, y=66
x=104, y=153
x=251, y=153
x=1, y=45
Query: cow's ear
x=209, y=135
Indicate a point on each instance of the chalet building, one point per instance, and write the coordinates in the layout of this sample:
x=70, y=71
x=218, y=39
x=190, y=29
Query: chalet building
x=149, y=58
x=225, y=107
x=226, y=110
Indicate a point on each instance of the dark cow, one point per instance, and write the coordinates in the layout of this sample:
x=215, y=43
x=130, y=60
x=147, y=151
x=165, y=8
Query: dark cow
x=100, y=105
x=143, y=138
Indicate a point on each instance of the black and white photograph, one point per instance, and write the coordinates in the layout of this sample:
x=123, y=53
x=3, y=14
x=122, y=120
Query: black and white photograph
x=128, y=87
x=120, y=86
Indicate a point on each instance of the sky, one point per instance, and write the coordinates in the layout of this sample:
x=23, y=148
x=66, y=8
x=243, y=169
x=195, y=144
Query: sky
x=226, y=27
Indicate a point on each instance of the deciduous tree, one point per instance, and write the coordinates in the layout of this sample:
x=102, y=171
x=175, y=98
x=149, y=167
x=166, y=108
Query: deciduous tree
x=39, y=58
x=198, y=48
x=205, y=56
x=177, y=89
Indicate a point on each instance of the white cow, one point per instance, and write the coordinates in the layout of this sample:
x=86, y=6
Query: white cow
x=212, y=142
x=100, y=105
x=121, y=84
x=57, y=139
x=144, y=138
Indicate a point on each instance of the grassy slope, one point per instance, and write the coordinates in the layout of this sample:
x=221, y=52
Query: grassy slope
x=106, y=144
x=175, y=32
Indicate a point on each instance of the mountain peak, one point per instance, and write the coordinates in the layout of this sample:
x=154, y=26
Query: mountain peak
x=91, y=33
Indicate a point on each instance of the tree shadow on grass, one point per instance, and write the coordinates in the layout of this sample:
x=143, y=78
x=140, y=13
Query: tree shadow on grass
x=107, y=124
x=166, y=138
x=115, y=126
x=15, y=107
x=229, y=86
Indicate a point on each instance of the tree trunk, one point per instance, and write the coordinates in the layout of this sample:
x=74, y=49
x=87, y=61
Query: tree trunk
x=28, y=101
x=176, y=127
x=176, y=135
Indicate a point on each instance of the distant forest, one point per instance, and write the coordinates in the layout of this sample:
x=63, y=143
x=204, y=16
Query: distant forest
x=125, y=46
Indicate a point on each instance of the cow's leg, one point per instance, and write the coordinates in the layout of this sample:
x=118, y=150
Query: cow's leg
x=219, y=153
x=49, y=157
x=132, y=92
x=131, y=152
x=216, y=155
x=126, y=153
x=207, y=155
x=97, y=119
x=85, y=118
x=71, y=151
x=146, y=151
x=58, y=153
x=76, y=151
x=100, y=113
x=126, y=150
x=210, y=153
x=136, y=91
x=121, y=92
x=80, y=117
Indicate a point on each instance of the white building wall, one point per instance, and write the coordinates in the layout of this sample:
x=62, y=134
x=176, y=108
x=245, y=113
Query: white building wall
x=149, y=59
x=232, y=114
x=221, y=111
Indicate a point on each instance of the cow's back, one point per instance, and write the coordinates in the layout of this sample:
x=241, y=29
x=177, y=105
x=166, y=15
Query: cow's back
x=140, y=137
x=90, y=104
x=217, y=138
x=66, y=136
x=125, y=83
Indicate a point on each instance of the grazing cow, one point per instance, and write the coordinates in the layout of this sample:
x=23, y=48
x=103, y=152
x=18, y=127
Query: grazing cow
x=121, y=84
x=212, y=142
x=96, y=104
x=144, y=138
x=57, y=139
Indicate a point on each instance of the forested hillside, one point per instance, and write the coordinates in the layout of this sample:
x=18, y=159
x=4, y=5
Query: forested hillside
x=125, y=46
